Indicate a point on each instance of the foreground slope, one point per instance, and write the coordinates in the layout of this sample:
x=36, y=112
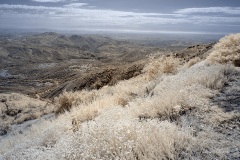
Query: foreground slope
x=170, y=111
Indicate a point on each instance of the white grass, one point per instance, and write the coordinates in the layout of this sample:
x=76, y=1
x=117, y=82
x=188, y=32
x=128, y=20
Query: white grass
x=226, y=50
x=193, y=61
x=16, y=108
x=161, y=65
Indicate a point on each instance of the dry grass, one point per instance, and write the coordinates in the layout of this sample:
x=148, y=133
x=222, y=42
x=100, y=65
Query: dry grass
x=226, y=50
x=17, y=108
x=216, y=81
x=64, y=103
x=162, y=65
x=125, y=98
x=131, y=140
x=193, y=61
x=67, y=100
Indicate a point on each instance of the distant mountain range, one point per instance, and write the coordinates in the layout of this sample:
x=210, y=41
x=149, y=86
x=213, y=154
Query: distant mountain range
x=51, y=47
x=31, y=62
x=48, y=47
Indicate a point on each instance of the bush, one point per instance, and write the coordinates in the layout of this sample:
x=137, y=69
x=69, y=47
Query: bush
x=64, y=103
x=162, y=65
x=226, y=50
x=193, y=61
x=67, y=100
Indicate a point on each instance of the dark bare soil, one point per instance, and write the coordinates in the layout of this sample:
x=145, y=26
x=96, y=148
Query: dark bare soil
x=229, y=96
x=97, y=79
x=200, y=51
x=229, y=100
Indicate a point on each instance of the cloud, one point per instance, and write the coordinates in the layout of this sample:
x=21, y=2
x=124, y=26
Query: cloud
x=25, y=7
x=92, y=16
x=71, y=17
x=72, y=10
x=79, y=15
x=225, y=10
x=75, y=5
x=53, y=1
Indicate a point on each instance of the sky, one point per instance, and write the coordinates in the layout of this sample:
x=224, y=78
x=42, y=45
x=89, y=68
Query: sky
x=140, y=16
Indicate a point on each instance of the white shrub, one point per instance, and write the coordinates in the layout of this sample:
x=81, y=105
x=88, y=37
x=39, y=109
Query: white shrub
x=226, y=50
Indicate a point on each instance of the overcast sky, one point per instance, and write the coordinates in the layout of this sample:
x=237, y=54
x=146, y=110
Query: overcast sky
x=194, y=16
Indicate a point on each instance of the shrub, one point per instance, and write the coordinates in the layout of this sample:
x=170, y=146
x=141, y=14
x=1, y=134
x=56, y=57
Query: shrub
x=193, y=61
x=170, y=65
x=124, y=98
x=214, y=82
x=217, y=80
x=226, y=50
x=162, y=65
x=65, y=102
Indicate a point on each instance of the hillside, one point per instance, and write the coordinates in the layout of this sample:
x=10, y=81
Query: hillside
x=38, y=63
x=46, y=64
x=51, y=47
x=177, y=105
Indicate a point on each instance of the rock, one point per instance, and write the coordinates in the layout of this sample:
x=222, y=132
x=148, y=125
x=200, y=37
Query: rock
x=237, y=63
x=3, y=130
